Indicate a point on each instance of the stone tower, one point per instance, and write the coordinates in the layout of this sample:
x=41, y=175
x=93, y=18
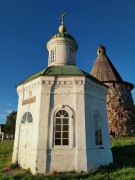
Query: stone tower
x=120, y=105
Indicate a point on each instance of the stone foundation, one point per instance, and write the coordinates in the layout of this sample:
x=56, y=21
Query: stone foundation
x=121, y=110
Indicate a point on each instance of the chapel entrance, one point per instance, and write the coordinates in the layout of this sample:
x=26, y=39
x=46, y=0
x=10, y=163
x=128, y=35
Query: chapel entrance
x=25, y=142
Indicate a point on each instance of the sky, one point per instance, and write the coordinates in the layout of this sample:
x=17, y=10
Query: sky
x=27, y=25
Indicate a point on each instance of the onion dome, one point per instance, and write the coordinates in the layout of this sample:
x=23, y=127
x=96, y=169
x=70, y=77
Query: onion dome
x=62, y=47
x=63, y=33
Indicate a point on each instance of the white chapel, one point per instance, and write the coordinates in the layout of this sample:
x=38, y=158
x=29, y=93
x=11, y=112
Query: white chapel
x=62, y=118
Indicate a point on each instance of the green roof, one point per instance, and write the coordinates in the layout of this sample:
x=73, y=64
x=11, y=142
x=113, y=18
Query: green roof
x=67, y=70
x=63, y=34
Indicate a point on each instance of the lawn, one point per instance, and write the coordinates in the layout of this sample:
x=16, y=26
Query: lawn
x=123, y=167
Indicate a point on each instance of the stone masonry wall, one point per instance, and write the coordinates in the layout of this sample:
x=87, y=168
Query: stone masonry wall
x=121, y=111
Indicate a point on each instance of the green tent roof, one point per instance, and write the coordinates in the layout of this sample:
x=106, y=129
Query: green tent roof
x=67, y=70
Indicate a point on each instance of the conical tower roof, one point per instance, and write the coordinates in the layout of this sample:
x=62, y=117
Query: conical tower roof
x=103, y=69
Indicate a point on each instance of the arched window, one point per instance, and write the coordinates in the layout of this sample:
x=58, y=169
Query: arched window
x=98, y=129
x=52, y=55
x=27, y=117
x=61, y=128
x=71, y=54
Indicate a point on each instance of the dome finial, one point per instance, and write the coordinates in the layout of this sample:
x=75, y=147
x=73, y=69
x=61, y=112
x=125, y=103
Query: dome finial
x=62, y=28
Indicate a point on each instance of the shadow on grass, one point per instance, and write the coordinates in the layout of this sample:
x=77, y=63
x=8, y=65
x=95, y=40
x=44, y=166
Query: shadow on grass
x=124, y=156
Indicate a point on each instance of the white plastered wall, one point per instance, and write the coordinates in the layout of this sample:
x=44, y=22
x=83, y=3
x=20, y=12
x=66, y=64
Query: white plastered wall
x=80, y=97
x=95, y=98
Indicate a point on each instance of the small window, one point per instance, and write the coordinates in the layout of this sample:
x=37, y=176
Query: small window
x=27, y=117
x=61, y=128
x=113, y=85
x=71, y=54
x=98, y=129
x=52, y=55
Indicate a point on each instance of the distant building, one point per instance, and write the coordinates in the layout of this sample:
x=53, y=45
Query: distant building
x=1, y=132
x=120, y=105
x=62, y=119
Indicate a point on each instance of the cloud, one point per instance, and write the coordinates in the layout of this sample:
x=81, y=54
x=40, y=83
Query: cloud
x=9, y=104
x=3, y=118
x=8, y=111
x=3, y=115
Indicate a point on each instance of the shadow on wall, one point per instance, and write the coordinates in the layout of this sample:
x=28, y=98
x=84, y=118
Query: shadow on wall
x=51, y=106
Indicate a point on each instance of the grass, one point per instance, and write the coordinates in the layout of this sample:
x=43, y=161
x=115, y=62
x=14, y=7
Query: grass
x=6, y=148
x=123, y=167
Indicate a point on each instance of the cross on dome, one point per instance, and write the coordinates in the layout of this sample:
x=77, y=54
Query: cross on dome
x=62, y=17
x=62, y=28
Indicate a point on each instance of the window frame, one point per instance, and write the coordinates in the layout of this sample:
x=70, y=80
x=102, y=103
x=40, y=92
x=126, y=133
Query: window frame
x=52, y=55
x=98, y=135
x=27, y=118
x=71, y=52
x=61, y=125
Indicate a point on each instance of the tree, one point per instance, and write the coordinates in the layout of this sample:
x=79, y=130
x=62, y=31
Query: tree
x=10, y=123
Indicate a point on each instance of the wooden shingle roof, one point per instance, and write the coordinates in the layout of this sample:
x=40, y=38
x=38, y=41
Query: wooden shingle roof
x=103, y=69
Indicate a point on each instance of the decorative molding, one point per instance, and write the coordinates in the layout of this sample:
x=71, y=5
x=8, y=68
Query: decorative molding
x=95, y=89
x=79, y=82
x=29, y=87
x=61, y=41
x=87, y=85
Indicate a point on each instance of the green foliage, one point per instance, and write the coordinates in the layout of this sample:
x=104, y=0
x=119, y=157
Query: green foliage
x=10, y=123
x=6, y=148
x=5, y=177
x=123, y=168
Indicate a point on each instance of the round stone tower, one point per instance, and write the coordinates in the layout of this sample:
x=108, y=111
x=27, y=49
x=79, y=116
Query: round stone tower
x=120, y=105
